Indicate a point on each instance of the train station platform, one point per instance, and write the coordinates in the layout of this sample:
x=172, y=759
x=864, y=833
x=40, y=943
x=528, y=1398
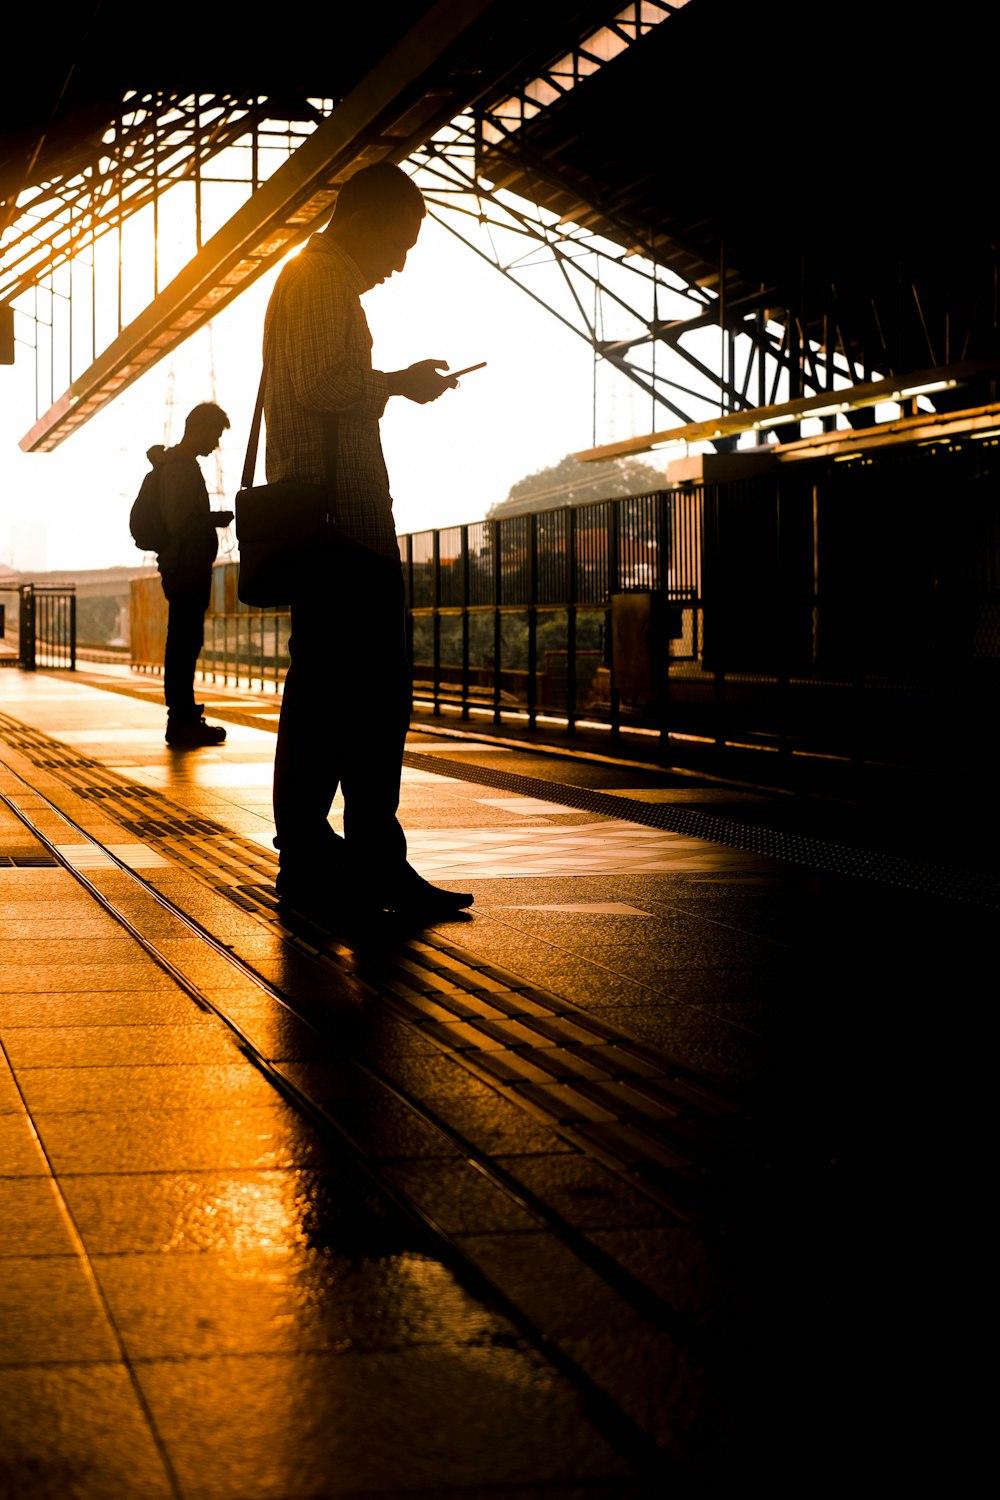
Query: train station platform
x=657, y=1174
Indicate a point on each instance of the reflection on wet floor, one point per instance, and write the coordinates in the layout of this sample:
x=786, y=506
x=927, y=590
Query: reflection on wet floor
x=274, y=1317
x=572, y=1198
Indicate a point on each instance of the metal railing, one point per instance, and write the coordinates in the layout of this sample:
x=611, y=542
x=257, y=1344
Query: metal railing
x=519, y=616
x=839, y=609
x=39, y=627
x=244, y=647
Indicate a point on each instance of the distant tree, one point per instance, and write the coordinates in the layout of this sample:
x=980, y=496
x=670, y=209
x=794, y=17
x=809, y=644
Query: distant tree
x=97, y=620
x=571, y=482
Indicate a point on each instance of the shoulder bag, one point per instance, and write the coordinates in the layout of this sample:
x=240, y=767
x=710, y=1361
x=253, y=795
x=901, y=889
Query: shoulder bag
x=279, y=526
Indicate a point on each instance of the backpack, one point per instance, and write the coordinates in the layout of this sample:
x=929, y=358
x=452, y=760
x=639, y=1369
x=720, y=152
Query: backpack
x=145, y=519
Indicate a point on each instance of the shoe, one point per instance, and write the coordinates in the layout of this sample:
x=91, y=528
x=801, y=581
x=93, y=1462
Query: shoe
x=413, y=896
x=191, y=732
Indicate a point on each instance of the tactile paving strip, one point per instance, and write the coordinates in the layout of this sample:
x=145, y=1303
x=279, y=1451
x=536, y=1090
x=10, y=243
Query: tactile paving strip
x=680, y=1140
x=821, y=855
x=208, y=848
x=616, y=1098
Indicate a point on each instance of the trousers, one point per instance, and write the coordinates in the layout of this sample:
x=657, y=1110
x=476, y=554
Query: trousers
x=187, y=600
x=345, y=712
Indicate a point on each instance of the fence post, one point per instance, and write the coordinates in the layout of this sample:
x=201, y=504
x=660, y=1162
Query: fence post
x=663, y=556
x=497, y=604
x=465, y=622
x=408, y=592
x=613, y=585
x=26, y=628
x=436, y=618
x=532, y=620
x=571, y=601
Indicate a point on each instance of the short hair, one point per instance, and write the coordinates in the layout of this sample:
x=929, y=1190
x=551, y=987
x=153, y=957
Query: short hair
x=206, y=414
x=381, y=186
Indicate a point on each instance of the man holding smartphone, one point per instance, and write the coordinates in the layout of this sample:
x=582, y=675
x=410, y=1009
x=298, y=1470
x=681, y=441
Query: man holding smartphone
x=345, y=707
x=189, y=548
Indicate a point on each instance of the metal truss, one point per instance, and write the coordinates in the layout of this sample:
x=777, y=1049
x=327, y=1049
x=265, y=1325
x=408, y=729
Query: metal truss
x=71, y=299
x=831, y=325
x=693, y=351
x=626, y=26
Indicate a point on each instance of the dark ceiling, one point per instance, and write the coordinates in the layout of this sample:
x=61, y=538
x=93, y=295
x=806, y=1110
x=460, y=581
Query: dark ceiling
x=841, y=163
x=835, y=162
x=55, y=108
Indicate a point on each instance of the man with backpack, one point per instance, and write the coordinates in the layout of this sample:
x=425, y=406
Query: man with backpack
x=185, y=541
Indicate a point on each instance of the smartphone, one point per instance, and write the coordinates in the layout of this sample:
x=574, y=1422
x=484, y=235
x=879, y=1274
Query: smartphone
x=454, y=374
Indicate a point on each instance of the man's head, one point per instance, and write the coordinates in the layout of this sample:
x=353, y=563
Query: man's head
x=203, y=428
x=376, y=220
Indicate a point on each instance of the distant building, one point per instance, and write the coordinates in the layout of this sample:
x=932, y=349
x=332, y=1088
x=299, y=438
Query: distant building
x=103, y=598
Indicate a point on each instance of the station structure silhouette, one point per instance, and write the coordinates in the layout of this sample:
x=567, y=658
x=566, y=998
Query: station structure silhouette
x=659, y=1171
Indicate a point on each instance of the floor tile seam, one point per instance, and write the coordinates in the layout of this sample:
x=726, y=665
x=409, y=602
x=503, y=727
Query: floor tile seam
x=42, y=1112
x=74, y=1361
x=102, y=996
x=93, y=1066
x=187, y=1172
x=275, y=1106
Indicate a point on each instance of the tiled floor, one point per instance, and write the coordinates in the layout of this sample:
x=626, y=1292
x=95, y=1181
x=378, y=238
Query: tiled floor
x=607, y=849
x=202, y=1296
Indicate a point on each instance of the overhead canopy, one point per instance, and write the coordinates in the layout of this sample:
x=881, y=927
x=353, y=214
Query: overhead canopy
x=808, y=164
x=835, y=161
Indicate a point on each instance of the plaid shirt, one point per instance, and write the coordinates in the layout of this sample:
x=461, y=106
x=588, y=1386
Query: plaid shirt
x=319, y=345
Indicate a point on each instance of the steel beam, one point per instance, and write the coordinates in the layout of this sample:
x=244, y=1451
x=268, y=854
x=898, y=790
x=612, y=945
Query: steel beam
x=847, y=398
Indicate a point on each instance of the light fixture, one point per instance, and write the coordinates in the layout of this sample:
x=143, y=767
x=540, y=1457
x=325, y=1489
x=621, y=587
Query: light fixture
x=924, y=390
x=832, y=410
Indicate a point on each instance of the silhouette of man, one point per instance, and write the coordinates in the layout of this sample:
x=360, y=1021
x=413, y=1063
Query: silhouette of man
x=346, y=701
x=185, y=565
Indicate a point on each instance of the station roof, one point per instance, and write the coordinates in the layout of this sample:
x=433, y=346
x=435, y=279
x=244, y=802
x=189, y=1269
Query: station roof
x=55, y=108
x=829, y=161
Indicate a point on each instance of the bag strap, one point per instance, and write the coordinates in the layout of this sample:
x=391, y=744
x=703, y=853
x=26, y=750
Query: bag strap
x=250, y=462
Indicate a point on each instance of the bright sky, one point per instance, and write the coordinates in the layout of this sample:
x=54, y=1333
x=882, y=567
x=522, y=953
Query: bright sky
x=448, y=462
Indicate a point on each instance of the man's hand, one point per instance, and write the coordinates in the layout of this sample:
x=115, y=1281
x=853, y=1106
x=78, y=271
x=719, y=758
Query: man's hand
x=422, y=382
